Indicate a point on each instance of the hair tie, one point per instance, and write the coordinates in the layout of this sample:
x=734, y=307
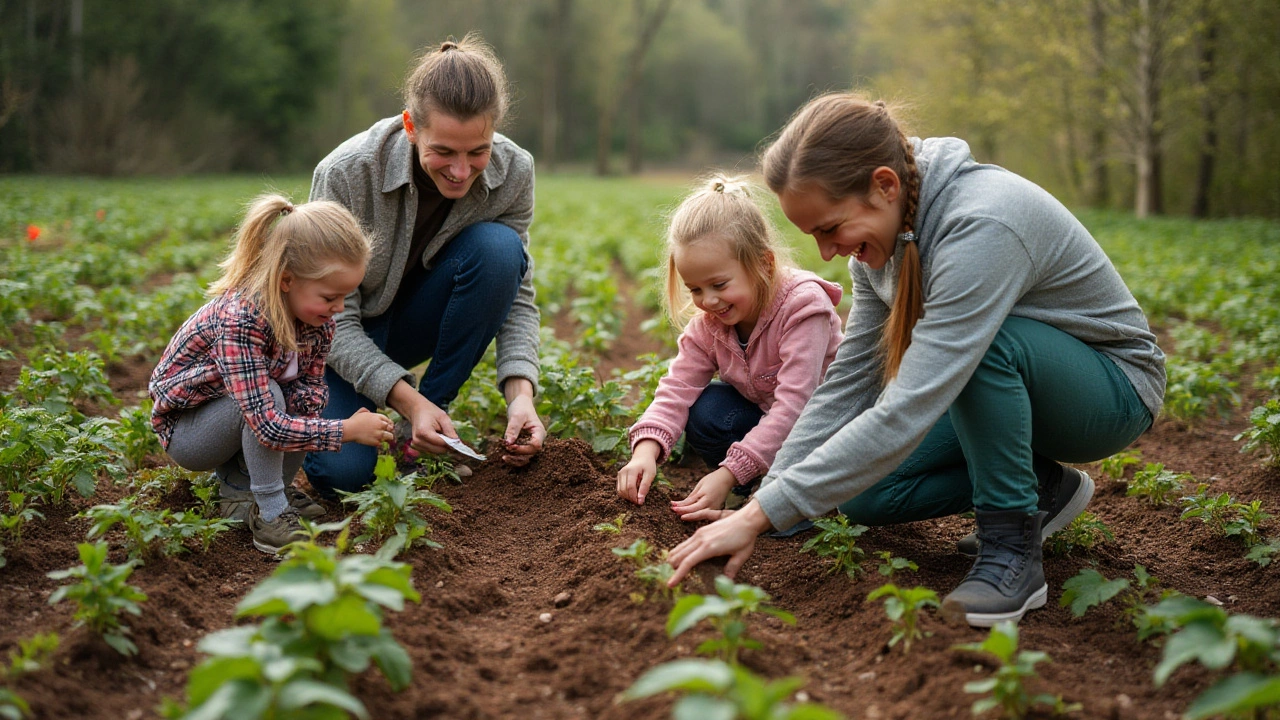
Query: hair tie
x=449, y=44
x=907, y=237
x=288, y=208
x=718, y=186
x=880, y=104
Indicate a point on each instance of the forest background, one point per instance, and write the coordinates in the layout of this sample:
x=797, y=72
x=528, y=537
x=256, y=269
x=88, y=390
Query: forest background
x=1161, y=106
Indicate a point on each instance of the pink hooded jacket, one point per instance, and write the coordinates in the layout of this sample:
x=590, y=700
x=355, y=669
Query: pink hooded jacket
x=787, y=354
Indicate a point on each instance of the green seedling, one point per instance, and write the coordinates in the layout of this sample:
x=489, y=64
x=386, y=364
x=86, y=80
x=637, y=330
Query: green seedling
x=1007, y=687
x=1264, y=551
x=1114, y=466
x=890, y=565
x=1158, y=485
x=31, y=655
x=715, y=689
x=838, y=540
x=101, y=593
x=19, y=514
x=1247, y=523
x=389, y=506
x=321, y=615
x=135, y=435
x=1089, y=589
x=613, y=527
x=1196, y=389
x=1207, y=634
x=727, y=611
x=903, y=608
x=576, y=404
x=1086, y=531
x=12, y=706
x=637, y=552
x=655, y=577
x=1263, y=435
x=152, y=533
x=1213, y=510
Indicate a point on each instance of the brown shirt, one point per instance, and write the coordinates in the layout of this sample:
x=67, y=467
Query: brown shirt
x=433, y=209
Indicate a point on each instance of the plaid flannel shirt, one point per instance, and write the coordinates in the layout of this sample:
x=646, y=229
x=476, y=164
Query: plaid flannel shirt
x=227, y=348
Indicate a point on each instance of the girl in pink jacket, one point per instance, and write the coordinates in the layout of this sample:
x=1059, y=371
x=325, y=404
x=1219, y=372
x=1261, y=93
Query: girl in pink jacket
x=766, y=329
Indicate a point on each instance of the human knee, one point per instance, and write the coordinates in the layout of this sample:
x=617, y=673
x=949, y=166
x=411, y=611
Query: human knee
x=348, y=471
x=496, y=247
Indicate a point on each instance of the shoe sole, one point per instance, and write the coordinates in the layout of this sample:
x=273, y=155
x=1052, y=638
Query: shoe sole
x=1076, y=505
x=263, y=547
x=986, y=620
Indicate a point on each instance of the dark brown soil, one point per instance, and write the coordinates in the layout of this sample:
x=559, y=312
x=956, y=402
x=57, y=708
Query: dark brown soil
x=519, y=538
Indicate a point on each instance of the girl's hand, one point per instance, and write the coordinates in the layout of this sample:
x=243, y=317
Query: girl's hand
x=368, y=428
x=636, y=476
x=734, y=534
x=707, y=498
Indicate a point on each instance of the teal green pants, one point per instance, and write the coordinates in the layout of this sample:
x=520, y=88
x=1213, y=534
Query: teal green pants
x=1039, y=396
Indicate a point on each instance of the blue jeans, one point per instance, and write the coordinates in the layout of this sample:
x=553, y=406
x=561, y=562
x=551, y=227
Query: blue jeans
x=449, y=317
x=719, y=418
x=1039, y=397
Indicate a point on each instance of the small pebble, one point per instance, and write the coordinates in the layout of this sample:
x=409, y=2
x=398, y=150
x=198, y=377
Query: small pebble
x=802, y=696
x=439, y=583
x=178, y=665
x=545, y=617
x=1124, y=701
x=562, y=599
x=1212, y=600
x=867, y=676
x=186, y=642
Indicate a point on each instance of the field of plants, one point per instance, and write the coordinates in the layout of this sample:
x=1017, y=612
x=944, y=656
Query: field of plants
x=537, y=593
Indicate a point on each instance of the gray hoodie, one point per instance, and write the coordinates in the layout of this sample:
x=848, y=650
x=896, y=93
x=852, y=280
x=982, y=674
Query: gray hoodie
x=992, y=244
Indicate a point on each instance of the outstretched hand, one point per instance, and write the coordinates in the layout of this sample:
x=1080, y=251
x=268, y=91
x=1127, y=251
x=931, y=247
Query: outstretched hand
x=707, y=498
x=734, y=534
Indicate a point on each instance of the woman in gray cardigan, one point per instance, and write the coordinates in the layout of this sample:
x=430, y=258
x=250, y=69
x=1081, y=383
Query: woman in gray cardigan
x=447, y=204
x=990, y=341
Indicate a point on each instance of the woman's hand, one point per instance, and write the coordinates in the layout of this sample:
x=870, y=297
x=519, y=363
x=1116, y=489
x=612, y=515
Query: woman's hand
x=522, y=416
x=368, y=428
x=734, y=534
x=707, y=498
x=636, y=476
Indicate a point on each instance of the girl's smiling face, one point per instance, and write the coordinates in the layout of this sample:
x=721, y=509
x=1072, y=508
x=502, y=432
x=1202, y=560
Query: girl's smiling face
x=718, y=283
x=866, y=228
x=315, y=302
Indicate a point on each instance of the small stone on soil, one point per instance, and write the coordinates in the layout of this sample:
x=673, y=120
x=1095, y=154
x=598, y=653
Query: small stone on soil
x=545, y=617
x=562, y=599
x=1212, y=600
x=439, y=583
x=867, y=676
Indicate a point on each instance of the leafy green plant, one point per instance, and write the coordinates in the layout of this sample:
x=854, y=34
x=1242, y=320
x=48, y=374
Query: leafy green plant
x=31, y=655
x=322, y=615
x=890, y=565
x=1115, y=465
x=838, y=540
x=1086, y=531
x=612, y=527
x=55, y=380
x=75, y=460
x=151, y=533
x=12, y=706
x=1263, y=552
x=1196, y=389
x=1247, y=523
x=136, y=437
x=637, y=552
x=656, y=575
x=727, y=611
x=716, y=689
x=1089, y=589
x=389, y=506
x=576, y=404
x=101, y=593
x=19, y=514
x=1156, y=484
x=1207, y=634
x=1264, y=434
x=1007, y=687
x=903, y=607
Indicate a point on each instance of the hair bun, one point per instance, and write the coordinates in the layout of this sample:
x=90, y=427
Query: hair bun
x=288, y=208
x=880, y=104
x=718, y=186
x=449, y=44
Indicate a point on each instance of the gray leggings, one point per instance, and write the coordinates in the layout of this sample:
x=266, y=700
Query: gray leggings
x=212, y=434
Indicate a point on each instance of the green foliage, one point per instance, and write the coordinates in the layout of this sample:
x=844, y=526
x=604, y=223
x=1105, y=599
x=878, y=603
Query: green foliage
x=1217, y=640
x=644, y=379
x=1226, y=516
x=101, y=593
x=390, y=506
x=903, y=607
x=151, y=532
x=653, y=575
x=1088, y=589
x=573, y=403
x=31, y=655
x=19, y=514
x=1114, y=466
x=637, y=552
x=322, y=615
x=1264, y=434
x=727, y=611
x=12, y=706
x=136, y=437
x=1156, y=484
x=890, y=565
x=612, y=527
x=716, y=689
x=1007, y=687
x=1264, y=551
x=1086, y=531
x=55, y=380
x=838, y=540
x=1196, y=389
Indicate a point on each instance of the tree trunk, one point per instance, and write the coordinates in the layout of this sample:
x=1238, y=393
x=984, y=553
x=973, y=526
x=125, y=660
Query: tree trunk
x=553, y=76
x=1101, y=195
x=77, y=43
x=1148, y=39
x=604, y=140
x=1208, y=111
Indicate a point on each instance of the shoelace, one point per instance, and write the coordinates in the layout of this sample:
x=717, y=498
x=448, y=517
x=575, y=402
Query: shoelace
x=993, y=566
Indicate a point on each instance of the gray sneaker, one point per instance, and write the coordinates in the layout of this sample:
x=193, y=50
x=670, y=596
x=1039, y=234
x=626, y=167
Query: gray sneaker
x=302, y=502
x=1063, y=498
x=1007, y=579
x=234, y=503
x=269, y=537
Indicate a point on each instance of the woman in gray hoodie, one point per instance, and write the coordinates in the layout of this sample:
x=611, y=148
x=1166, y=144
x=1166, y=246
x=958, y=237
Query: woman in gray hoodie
x=990, y=341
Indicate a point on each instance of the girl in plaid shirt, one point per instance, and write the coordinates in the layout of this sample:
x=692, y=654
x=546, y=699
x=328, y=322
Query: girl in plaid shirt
x=241, y=385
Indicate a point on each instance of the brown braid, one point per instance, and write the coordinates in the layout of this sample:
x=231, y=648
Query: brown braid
x=908, y=301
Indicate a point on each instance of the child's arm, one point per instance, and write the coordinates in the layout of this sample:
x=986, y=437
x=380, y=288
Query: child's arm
x=636, y=476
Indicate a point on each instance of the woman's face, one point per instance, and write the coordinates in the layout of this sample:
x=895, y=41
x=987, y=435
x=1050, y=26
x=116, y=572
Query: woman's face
x=453, y=152
x=866, y=228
